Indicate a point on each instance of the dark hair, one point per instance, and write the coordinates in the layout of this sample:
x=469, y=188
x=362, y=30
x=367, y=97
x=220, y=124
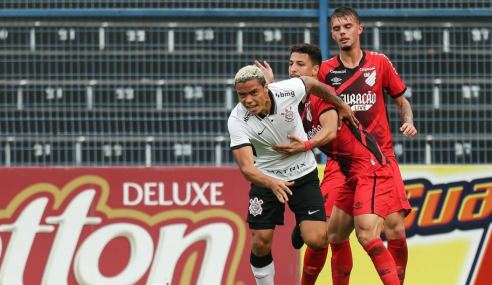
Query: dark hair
x=345, y=12
x=313, y=51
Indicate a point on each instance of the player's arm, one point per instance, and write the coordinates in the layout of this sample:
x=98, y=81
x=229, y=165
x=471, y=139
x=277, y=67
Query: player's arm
x=328, y=120
x=320, y=90
x=406, y=115
x=245, y=161
x=396, y=88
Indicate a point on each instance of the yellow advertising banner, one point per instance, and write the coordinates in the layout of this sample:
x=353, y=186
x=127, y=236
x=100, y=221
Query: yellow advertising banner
x=448, y=230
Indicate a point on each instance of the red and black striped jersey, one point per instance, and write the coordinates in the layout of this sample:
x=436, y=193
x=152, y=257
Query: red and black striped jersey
x=355, y=149
x=362, y=88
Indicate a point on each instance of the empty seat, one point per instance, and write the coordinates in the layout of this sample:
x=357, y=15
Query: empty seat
x=39, y=151
x=110, y=152
x=186, y=151
x=112, y=121
x=409, y=151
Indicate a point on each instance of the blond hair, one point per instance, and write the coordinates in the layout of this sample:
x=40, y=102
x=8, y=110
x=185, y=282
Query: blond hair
x=248, y=73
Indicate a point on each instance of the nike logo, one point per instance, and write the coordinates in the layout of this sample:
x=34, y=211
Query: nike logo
x=310, y=213
x=262, y=131
x=258, y=276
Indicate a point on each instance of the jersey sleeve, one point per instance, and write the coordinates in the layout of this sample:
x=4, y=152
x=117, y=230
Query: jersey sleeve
x=391, y=80
x=238, y=133
x=323, y=70
x=320, y=106
x=297, y=85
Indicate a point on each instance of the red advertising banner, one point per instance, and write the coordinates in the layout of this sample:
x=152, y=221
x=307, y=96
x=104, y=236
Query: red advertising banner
x=168, y=226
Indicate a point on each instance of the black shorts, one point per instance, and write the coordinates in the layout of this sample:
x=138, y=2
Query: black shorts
x=266, y=211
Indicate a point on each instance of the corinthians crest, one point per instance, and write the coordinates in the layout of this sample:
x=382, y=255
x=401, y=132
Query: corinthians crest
x=288, y=114
x=255, y=208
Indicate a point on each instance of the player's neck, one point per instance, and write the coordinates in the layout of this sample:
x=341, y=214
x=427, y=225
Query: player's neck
x=268, y=106
x=351, y=58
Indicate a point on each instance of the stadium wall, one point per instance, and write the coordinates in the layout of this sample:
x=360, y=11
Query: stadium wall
x=177, y=225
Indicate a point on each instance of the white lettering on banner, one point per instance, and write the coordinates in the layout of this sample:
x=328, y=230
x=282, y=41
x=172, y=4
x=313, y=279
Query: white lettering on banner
x=126, y=194
x=219, y=237
x=86, y=264
x=70, y=226
x=23, y=231
x=172, y=241
x=180, y=196
x=148, y=192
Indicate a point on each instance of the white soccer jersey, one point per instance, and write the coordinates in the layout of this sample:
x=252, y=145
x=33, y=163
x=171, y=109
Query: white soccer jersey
x=284, y=119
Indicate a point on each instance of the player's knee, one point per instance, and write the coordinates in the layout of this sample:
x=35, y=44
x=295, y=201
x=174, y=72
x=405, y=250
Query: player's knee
x=396, y=231
x=337, y=236
x=365, y=236
x=394, y=226
x=315, y=241
x=261, y=244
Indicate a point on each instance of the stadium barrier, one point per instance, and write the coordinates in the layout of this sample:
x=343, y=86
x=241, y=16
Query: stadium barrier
x=177, y=225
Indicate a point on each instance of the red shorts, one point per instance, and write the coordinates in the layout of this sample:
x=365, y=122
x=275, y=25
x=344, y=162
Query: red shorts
x=333, y=181
x=369, y=193
x=400, y=201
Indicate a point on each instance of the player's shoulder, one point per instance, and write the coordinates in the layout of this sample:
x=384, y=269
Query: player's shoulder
x=331, y=62
x=239, y=114
x=289, y=88
x=285, y=84
x=319, y=103
x=376, y=56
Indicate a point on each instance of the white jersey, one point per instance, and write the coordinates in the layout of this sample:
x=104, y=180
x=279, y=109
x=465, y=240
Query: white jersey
x=283, y=119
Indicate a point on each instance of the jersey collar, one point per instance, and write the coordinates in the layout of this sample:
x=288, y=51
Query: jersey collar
x=273, y=107
x=341, y=66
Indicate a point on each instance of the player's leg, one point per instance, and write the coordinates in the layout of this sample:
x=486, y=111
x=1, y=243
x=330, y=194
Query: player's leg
x=261, y=259
x=339, y=229
x=265, y=212
x=394, y=223
x=394, y=228
x=372, y=195
x=314, y=260
x=307, y=204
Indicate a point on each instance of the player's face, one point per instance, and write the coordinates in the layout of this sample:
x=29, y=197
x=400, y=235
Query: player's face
x=345, y=31
x=253, y=96
x=301, y=65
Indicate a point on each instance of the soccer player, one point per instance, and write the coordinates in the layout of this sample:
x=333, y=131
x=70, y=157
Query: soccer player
x=367, y=193
x=265, y=116
x=360, y=77
x=305, y=60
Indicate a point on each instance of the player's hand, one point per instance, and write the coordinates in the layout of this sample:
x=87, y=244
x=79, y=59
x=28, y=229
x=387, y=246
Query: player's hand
x=266, y=70
x=280, y=188
x=296, y=146
x=345, y=112
x=408, y=130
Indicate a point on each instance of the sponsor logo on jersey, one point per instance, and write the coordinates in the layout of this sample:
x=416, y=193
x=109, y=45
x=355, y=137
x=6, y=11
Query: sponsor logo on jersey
x=359, y=101
x=336, y=81
x=367, y=69
x=291, y=171
x=313, y=131
x=338, y=71
x=286, y=94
